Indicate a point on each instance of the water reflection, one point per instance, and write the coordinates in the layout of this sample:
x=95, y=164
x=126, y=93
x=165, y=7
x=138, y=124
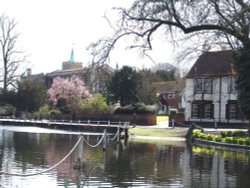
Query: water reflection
x=136, y=163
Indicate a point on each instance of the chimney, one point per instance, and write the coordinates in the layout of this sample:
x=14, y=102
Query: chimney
x=28, y=71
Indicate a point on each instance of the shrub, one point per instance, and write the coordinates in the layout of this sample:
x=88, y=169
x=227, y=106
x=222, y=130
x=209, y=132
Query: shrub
x=94, y=105
x=247, y=141
x=225, y=134
x=43, y=111
x=239, y=133
x=242, y=141
x=229, y=140
x=235, y=140
x=197, y=133
x=138, y=108
x=210, y=137
x=217, y=139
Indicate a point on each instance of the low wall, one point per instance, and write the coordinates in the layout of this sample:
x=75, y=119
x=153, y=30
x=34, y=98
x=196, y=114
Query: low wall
x=139, y=119
x=178, y=119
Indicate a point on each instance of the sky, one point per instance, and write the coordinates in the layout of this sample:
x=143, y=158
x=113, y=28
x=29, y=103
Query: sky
x=49, y=29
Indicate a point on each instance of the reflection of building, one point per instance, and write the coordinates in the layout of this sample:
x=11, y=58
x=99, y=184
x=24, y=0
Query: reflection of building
x=95, y=77
x=210, y=90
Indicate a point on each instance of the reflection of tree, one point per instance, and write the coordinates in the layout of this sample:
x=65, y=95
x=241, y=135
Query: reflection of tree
x=29, y=147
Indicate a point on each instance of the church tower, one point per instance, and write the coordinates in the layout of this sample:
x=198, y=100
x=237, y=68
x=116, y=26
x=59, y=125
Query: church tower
x=71, y=64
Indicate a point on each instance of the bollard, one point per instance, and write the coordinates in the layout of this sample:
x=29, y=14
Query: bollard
x=172, y=123
x=215, y=124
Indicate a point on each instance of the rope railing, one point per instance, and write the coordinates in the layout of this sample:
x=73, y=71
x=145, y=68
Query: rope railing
x=66, y=156
x=44, y=171
x=93, y=146
x=116, y=135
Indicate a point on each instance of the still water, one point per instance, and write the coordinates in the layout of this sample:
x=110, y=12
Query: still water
x=138, y=163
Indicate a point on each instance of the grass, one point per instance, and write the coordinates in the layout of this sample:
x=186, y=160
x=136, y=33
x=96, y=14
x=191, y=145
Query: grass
x=158, y=132
x=158, y=142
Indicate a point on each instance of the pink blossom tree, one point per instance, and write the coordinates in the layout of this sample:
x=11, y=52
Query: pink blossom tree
x=69, y=89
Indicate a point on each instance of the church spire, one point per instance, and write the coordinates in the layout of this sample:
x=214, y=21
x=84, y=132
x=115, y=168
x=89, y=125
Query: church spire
x=72, y=58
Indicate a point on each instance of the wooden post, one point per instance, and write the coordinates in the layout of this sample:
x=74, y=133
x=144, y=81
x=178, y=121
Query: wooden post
x=118, y=134
x=105, y=140
x=126, y=132
x=79, y=155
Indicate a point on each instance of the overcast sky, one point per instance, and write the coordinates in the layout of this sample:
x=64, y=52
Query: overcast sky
x=49, y=28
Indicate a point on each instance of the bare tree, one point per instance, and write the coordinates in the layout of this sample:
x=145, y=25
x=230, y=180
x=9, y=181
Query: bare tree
x=216, y=23
x=11, y=56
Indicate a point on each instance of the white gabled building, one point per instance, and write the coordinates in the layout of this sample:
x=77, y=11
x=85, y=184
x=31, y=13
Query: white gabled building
x=210, y=92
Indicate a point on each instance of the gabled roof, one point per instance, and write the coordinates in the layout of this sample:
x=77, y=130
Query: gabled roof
x=217, y=63
x=176, y=86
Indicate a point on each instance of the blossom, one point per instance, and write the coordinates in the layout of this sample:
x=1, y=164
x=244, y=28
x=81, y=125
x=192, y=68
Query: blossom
x=68, y=88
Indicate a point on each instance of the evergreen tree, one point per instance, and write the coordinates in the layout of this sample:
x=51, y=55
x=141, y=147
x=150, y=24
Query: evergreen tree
x=31, y=95
x=242, y=58
x=122, y=87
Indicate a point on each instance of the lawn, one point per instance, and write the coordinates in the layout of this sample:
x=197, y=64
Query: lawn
x=157, y=132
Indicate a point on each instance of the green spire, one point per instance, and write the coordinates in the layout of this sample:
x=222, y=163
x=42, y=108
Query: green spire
x=72, y=58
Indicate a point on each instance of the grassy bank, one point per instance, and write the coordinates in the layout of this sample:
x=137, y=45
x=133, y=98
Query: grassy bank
x=157, y=132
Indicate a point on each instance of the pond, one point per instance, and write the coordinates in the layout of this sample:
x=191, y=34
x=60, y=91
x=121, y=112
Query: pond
x=137, y=163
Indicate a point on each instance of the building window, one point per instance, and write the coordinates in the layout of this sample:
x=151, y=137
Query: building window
x=202, y=110
x=208, y=110
x=231, y=86
x=195, y=110
x=203, y=85
x=198, y=85
x=232, y=110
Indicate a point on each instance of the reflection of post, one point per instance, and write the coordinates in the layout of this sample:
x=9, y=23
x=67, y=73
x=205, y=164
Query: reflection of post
x=105, y=156
x=79, y=154
x=134, y=118
x=79, y=179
